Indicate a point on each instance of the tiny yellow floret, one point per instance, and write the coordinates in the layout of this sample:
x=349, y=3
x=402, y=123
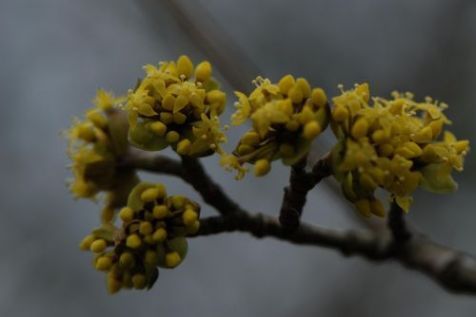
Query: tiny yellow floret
x=319, y=97
x=168, y=102
x=151, y=258
x=340, y=113
x=159, y=235
x=179, y=118
x=158, y=128
x=184, y=66
x=113, y=284
x=126, y=214
x=379, y=136
x=139, y=281
x=133, y=241
x=250, y=138
x=311, y=130
x=295, y=94
x=244, y=149
x=189, y=217
x=193, y=229
x=150, y=194
x=172, y=137
x=103, y=263
x=180, y=102
x=262, y=167
x=85, y=132
x=160, y=211
x=98, y=246
x=216, y=96
x=360, y=128
x=97, y=118
x=126, y=260
x=203, y=71
x=85, y=244
x=303, y=84
x=286, y=83
x=178, y=201
x=172, y=259
x=184, y=147
x=145, y=228
x=166, y=117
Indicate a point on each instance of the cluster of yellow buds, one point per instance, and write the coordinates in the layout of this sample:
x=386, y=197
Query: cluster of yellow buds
x=286, y=117
x=397, y=144
x=177, y=104
x=95, y=144
x=152, y=234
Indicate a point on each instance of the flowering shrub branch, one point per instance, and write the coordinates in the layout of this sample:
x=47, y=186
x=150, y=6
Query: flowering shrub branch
x=452, y=269
x=391, y=146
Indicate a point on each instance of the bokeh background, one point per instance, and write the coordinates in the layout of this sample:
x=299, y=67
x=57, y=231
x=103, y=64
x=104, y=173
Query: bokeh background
x=54, y=54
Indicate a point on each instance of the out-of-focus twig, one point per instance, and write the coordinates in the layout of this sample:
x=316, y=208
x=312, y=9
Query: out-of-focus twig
x=210, y=37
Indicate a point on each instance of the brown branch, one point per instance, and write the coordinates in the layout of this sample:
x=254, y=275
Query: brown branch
x=151, y=162
x=300, y=183
x=397, y=225
x=190, y=170
x=453, y=270
x=211, y=192
x=348, y=242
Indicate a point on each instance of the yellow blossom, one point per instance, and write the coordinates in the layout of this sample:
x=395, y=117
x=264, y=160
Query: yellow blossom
x=152, y=234
x=393, y=144
x=177, y=105
x=286, y=117
x=96, y=144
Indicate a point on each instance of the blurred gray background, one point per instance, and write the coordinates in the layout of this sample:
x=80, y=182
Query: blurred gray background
x=54, y=54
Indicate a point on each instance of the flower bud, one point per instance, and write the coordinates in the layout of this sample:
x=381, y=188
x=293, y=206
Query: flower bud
x=98, y=246
x=203, y=71
x=262, y=167
x=184, y=66
x=133, y=241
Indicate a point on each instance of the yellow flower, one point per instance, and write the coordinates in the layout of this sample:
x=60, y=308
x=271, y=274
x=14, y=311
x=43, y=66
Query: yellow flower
x=104, y=100
x=286, y=117
x=231, y=162
x=95, y=145
x=171, y=107
x=207, y=134
x=394, y=145
x=243, y=109
x=152, y=234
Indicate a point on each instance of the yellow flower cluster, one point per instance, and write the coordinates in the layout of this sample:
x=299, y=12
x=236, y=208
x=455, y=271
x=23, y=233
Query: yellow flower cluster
x=397, y=144
x=152, y=235
x=286, y=117
x=177, y=104
x=94, y=147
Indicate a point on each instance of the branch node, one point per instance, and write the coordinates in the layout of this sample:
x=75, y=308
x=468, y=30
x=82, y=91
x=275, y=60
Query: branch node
x=396, y=222
x=300, y=183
